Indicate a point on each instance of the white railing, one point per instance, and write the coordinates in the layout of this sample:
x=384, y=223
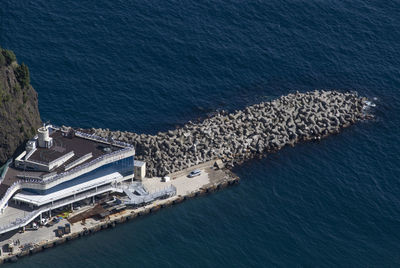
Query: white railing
x=20, y=222
x=29, y=176
x=30, y=153
x=61, y=158
x=48, y=175
x=78, y=161
x=26, y=183
x=10, y=191
x=84, y=166
x=78, y=191
x=101, y=139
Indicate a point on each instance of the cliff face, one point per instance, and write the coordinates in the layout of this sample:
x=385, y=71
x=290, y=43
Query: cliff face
x=19, y=113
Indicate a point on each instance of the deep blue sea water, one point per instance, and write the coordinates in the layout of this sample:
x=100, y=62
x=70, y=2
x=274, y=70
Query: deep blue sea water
x=148, y=66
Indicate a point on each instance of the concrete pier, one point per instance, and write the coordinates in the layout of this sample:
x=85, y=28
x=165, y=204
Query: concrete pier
x=208, y=182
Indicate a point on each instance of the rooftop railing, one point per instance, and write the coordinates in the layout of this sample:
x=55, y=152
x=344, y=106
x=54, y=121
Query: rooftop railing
x=68, y=155
x=30, y=153
x=101, y=139
x=78, y=161
x=84, y=166
x=25, y=182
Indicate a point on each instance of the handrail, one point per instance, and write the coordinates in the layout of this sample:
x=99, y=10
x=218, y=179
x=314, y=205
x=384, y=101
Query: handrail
x=79, y=168
x=10, y=191
x=20, y=222
x=78, y=161
x=80, y=190
x=69, y=154
x=30, y=153
x=101, y=139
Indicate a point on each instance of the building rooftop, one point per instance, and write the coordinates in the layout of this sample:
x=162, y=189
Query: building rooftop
x=63, y=144
x=85, y=149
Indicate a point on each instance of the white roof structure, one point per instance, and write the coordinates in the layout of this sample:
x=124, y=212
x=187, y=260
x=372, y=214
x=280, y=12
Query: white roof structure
x=139, y=163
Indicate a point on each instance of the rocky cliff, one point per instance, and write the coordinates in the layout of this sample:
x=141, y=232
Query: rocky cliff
x=19, y=113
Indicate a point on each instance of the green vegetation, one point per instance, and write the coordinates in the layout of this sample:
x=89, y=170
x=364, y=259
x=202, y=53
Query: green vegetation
x=17, y=88
x=24, y=97
x=4, y=97
x=8, y=56
x=2, y=59
x=22, y=74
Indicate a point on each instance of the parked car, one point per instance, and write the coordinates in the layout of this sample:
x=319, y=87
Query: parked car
x=194, y=173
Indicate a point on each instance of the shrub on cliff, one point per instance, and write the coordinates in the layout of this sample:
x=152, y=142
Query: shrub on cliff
x=22, y=74
x=2, y=59
x=9, y=56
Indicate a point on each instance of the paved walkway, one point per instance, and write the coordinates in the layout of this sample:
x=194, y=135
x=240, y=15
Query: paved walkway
x=11, y=213
x=183, y=184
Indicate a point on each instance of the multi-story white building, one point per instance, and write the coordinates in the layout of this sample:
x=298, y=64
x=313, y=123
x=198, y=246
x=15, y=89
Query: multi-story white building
x=61, y=167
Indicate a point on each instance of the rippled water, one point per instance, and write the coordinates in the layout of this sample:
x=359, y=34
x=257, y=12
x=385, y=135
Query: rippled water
x=147, y=66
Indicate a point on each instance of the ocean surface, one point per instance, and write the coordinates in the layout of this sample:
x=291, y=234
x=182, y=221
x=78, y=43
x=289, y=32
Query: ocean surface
x=149, y=66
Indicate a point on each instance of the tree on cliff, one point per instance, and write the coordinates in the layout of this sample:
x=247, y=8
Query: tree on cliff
x=22, y=74
x=7, y=56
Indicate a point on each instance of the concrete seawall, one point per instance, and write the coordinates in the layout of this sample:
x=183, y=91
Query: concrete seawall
x=255, y=131
x=79, y=231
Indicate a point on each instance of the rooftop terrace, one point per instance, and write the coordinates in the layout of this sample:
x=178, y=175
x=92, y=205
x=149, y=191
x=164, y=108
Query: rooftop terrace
x=85, y=148
x=63, y=144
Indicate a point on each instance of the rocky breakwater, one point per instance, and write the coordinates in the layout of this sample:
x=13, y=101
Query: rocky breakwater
x=255, y=131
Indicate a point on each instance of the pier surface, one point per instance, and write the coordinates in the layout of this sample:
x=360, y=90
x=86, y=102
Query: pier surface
x=33, y=241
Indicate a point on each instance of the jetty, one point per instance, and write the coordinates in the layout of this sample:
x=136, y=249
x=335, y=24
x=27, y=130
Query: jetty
x=69, y=183
x=90, y=219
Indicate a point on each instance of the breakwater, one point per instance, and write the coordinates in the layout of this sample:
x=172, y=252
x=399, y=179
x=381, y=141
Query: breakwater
x=254, y=131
